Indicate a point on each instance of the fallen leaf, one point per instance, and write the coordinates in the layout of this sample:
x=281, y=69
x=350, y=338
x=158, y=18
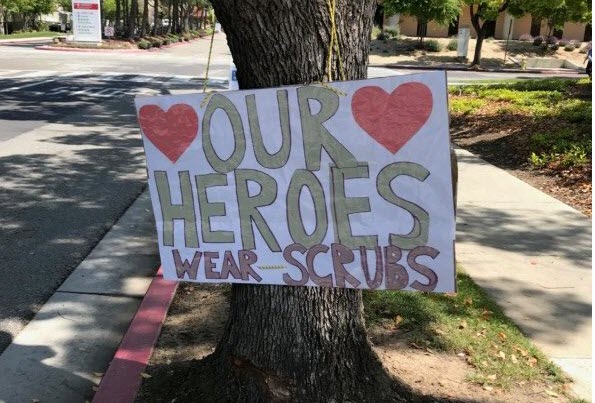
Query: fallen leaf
x=485, y=314
x=398, y=320
x=502, y=355
x=492, y=377
x=416, y=346
x=461, y=354
x=502, y=336
x=488, y=388
x=513, y=359
x=429, y=350
x=468, y=301
x=463, y=324
x=551, y=393
x=145, y=375
x=532, y=361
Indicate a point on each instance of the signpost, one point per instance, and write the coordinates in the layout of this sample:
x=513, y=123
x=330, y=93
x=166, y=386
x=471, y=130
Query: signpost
x=463, y=42
x=86, y=20
x=108, y=32
x=233, y=79
x=348, y=186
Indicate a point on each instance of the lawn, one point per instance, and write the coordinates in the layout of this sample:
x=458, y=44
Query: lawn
x=468, y=323
x=541, y=127
x=39, y=34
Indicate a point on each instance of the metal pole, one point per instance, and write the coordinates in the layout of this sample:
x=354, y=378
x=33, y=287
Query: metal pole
x=507, y=40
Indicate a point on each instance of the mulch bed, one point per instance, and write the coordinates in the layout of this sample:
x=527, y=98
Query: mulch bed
x=505, y=142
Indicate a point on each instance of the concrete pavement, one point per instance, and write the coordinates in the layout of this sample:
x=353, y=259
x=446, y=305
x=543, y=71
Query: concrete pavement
x=532, y=254
x=61, y=354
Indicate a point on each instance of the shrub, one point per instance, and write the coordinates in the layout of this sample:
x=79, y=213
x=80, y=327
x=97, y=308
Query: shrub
x=393, y=33
x=569, y=47
x=144, y=44
x=554, y=47
x=155, y=42
x=526, y=38
x=382, y=36
x=563, y=42
x=452, y=44
x=376, y=31
x=552, y=40
x=432, y=46
x=538, y=40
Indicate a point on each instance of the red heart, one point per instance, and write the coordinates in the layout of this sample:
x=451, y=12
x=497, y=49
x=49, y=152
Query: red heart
x=392, y=119
x=172, y=131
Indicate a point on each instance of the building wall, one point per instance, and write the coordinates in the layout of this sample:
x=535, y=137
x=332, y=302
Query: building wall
x=465, y=21
x=408, y=25
x=520, y=26
x=574, y=30
x=436, y=30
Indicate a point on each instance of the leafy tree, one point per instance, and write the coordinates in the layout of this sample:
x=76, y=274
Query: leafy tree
x=441, y=11
x=556, y=13
x=483, y=11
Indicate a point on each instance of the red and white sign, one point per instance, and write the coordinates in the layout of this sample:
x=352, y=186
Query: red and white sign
x=86, y=20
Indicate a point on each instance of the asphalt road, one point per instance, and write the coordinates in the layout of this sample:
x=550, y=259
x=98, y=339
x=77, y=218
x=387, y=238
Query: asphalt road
x=71, y=158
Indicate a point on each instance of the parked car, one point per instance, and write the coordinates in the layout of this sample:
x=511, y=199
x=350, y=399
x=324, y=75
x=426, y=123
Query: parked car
x=58, y=27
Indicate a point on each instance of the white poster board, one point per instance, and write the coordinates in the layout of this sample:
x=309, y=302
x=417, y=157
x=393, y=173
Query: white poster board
x=347, y=185
x=463, y=41
x=86, y=20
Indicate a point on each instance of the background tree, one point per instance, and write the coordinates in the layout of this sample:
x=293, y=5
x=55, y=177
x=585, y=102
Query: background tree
x=442, y=11
x=483, y=11
x=555, y=13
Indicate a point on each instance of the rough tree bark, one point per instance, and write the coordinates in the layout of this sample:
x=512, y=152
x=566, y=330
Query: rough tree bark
x=298, y=344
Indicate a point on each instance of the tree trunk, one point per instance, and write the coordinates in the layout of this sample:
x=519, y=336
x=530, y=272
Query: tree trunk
x=480, y=33
x=297, y=344
x=132, y=18
x=117, y=26
x=155, y=18
x=145, y=18
x=175, y=15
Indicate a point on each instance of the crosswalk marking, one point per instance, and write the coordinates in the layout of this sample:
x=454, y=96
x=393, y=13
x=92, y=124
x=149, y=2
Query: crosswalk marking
x=85, y=83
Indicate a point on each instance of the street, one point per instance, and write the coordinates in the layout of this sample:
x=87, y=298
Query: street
x=71, y=157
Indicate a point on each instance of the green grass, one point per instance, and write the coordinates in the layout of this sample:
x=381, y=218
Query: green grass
x=468, y=322
x=465, y=106
x=30, y=35
x=560, y=103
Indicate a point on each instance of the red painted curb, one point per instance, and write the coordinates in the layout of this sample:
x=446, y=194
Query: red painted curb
x=123, y=377
x=129, y=50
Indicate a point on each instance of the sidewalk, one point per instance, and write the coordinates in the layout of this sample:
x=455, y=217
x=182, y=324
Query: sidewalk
x=532, y=254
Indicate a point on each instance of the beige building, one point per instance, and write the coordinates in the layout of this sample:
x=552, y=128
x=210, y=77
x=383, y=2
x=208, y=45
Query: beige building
x=499, y=29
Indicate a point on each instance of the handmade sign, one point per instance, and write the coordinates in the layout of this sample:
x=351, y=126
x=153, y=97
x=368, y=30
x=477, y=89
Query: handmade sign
x=348, y=186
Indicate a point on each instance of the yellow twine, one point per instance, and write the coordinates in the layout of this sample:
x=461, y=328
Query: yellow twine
x=204, y=87
x=334, y=45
